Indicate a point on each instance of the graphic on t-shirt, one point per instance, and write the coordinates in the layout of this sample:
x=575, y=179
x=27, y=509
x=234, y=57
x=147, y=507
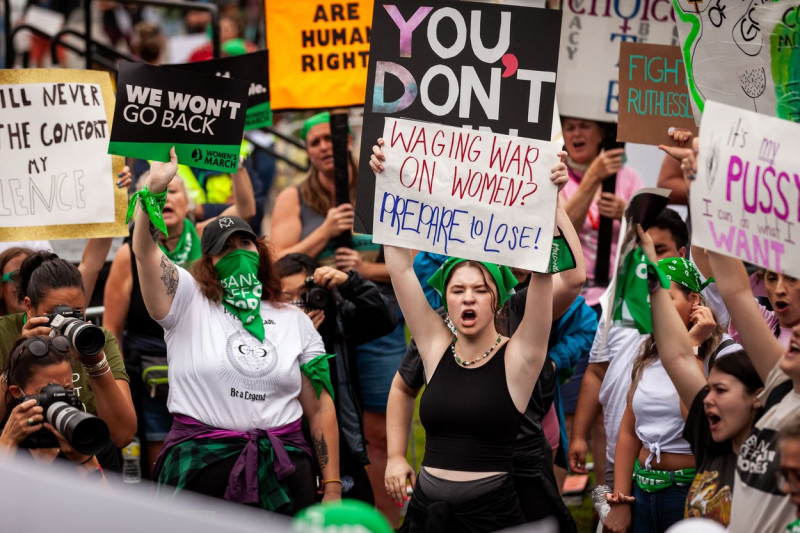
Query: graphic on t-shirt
x=758, y=461
x=251, y=359
x=707, y=499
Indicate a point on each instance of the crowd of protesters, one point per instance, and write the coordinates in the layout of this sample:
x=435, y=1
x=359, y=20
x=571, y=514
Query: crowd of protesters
x=280, y=370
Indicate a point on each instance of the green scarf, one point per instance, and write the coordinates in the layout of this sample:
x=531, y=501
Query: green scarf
x=504, y=280
x=188, y=248
x=632, y=296
x=683, y=272
x=238, y=273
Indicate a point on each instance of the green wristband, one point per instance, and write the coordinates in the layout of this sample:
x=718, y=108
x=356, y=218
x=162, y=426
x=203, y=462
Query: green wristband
x=561, y=256
x=152, y=204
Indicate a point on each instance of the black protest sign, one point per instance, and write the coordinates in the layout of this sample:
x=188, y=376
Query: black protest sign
x=201, y=116
x=460, y=64
x=254, y=68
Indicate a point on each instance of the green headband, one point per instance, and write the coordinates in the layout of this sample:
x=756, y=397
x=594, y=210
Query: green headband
x=319, y=118
x=502, y=276
x=683, y=272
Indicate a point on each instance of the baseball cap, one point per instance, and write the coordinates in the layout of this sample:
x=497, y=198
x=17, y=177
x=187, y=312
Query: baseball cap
x=219, y=230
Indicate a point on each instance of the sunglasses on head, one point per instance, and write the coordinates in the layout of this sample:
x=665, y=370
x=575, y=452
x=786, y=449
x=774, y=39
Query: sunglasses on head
x=40, y=346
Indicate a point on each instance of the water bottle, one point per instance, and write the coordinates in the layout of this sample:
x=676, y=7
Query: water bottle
x=131, y=459
x=600, y=502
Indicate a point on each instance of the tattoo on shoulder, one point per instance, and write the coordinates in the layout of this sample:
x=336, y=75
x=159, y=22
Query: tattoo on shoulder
x=169, y=275
x=321, y=448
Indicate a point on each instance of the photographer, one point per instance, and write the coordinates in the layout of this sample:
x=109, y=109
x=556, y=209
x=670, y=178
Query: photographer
x=347, y=310
x=35, y=365
x=100, y=382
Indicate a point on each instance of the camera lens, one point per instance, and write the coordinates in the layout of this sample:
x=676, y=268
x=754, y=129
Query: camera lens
x=87, y=338
x=86, y=433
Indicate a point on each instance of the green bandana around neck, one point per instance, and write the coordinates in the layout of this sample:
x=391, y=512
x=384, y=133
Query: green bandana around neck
x=683, y=272
x=503, y=278
x=238, y=273
x=188, y=248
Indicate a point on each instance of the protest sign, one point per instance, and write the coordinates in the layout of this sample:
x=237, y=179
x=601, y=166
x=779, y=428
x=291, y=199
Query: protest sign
x=731, y=44
x=472, y=194
x=254, y=68
x=201, y=116
x=653, y=95
x=782, y=21
x=745, y=200
x=56, y=179
x=483, y=66
x=588, y=85
x=324, y=46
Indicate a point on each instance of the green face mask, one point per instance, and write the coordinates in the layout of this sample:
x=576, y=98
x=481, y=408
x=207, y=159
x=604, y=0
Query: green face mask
x=238, y=273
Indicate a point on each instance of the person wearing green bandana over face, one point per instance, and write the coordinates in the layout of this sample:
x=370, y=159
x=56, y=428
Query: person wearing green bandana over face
x=651, y=446
x=141, y=338
x=243, y=369
x=479, y=385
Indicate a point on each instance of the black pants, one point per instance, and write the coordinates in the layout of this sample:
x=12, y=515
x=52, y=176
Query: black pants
x=213, y=481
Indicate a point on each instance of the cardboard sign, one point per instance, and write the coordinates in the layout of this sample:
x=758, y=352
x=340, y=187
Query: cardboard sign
x=731, y=44
x=253, y=67
x=653, y=95
x=321, y=52
x=483, y=66
x=745, y=201
x=472, y=194
x=782, y=21
x=201, y=116
x=588, y=67
x=56, y=179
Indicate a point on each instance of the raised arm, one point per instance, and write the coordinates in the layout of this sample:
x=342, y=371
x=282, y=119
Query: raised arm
x=244, y=201
x=672, y=338
x=757, y=339
x=568, y=285
x=158, y=277
x=427, y=327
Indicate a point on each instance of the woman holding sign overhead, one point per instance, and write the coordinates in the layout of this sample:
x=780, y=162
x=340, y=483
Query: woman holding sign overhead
x=475, y=399
x=244, y=368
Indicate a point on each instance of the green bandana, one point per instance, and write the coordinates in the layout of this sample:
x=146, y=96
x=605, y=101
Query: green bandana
x=319, y=118
x=152, y=204
x=632, y=295
x=502, y=276
x=683, y=272
x=188, y=248
x=658, y=480
x=238, y=273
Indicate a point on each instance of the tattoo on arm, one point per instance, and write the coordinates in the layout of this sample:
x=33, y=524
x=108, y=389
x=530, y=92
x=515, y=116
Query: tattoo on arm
x=321, y=447
x=154, y=232
x=169, y=275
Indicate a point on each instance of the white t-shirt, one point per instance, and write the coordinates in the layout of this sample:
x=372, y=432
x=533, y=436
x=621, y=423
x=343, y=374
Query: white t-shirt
x=221, y=375
x=622, y=346
x=758, y=503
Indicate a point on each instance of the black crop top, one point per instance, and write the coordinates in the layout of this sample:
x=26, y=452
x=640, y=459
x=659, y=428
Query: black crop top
x=470, y=420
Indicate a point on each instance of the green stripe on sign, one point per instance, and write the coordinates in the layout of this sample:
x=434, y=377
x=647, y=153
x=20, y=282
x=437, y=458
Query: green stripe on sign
x=220, y=157
x=258, y=116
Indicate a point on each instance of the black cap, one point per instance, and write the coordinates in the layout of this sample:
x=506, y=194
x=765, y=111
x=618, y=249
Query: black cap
x=219, y=230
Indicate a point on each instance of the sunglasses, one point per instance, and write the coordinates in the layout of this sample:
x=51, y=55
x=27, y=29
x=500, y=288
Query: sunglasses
x=40, y=346
x=10, y=277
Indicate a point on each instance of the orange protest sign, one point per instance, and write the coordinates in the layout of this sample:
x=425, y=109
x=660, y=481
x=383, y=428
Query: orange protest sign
x=320, y=52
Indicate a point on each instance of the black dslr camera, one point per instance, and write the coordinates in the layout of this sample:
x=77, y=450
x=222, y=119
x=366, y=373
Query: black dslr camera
x=86, y=433
x=87, y=338
x=315, y=296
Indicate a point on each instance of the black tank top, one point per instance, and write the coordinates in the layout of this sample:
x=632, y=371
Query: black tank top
x=470, y=420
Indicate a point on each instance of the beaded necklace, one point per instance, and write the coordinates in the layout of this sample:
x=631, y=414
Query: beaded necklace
x=468, y=363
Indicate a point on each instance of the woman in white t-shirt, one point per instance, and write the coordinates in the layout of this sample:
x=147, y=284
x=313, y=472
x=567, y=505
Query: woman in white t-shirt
x=244, y=368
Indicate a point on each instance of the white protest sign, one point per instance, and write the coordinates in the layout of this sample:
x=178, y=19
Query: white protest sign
x=588, y=63
x=466, y=193
x=56, y=177
x=745, y=202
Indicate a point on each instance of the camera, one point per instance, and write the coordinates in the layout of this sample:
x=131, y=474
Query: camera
x=86, y=433
x=87, y=338
x=315, y=296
